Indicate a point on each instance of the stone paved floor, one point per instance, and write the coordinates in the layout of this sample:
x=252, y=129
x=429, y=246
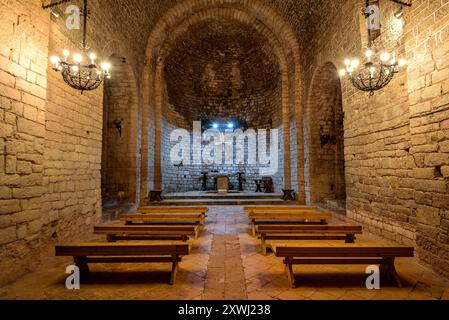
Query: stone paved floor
x=225, y=278
x=225, y=263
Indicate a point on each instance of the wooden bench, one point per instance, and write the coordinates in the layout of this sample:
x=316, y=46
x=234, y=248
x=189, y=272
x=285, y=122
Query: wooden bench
x=161, y=209
x=125, y=252
x=277, y=209
x=147, y=232
x=349, y=253
x=175, y=209
x=163, y=219
x=306, y=232
x=310, y=217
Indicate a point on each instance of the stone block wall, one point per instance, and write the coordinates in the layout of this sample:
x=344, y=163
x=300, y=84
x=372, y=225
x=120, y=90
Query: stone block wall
x=220, y=68
x=395, y=155
x=23, y=93
x=324, y=126
x=395, y=143
x=119, y=166
x=177, y=178
x=50, y=136
x=72, y=155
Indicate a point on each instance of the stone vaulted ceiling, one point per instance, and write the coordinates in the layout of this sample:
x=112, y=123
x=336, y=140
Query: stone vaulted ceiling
x=222, y=68
x=134, y=19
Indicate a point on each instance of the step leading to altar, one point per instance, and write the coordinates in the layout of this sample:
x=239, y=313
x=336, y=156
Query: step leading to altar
x=209, y=198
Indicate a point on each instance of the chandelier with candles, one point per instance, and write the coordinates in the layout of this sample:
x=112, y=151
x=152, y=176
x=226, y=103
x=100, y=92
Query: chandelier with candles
x=80, y=71
x=377, y=69
x=375, y=72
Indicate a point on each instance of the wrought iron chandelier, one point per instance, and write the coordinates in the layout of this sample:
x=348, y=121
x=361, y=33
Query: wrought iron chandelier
x=376, y=71
x=78, y=75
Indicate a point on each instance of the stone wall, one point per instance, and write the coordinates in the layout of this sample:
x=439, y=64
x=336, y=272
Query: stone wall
x=395, y=142
x=71, y=203
x=324, y=126
x=220, y=68
x=182, y=178
x=23, y=93
x=120, y=154
x=50, y=136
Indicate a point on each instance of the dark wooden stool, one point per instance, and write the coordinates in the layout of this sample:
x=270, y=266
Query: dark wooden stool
x=289, y=195
x=156, y=196
x=241, y=180
x=268, y=184
x=258, y=185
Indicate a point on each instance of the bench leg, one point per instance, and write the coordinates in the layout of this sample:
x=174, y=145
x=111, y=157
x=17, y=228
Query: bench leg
x=253, y=229
x=81, y=263
x=350, y=238
x=390, y=272
x=264, y=244
x=197, y=232
x=289, y=269
x=174, y=269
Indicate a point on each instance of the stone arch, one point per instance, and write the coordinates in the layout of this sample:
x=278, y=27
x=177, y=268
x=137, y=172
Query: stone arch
x=270, y=25
x=224, y=15
x=120, y=167
x=324, y=137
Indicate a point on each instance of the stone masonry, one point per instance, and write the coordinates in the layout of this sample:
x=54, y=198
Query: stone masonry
x=272, y=62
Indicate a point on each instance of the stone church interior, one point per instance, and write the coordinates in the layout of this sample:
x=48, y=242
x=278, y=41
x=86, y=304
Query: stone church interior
x=224, y=149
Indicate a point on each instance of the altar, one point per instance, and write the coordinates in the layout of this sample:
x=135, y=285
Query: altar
x=222, y=182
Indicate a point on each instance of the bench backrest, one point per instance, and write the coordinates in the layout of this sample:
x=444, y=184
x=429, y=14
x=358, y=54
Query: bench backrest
x=122, y=249
x=173, y=210
x=162, y=217
x=279, y=212
x=145, y=229
x=292, y=216
x=342, y=250
x=310, y=229
x=279, y=209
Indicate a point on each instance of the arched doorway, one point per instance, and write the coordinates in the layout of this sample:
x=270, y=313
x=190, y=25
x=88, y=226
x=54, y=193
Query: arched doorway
x=324, y=138
x=119, y=169
x=280, y=40
x=219, y=68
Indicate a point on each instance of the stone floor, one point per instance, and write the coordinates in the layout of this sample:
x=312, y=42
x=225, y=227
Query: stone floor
x=225, y=263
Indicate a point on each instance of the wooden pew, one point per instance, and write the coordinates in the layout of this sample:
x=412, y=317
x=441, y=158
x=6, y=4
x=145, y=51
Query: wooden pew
x=163, y=219
x=288, y=218
x=175, y=209
x=307, y=232
x=147, y=232
x=277, y=209
x=342, y=253
x=124, y=252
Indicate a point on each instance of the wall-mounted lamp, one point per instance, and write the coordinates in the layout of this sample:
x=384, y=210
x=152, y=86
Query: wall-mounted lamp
x=327, y=140
x=407, y=3
x=118, y=124
x=178, y=164
x=400, y=13
x=54, y=14
x=397, y=22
